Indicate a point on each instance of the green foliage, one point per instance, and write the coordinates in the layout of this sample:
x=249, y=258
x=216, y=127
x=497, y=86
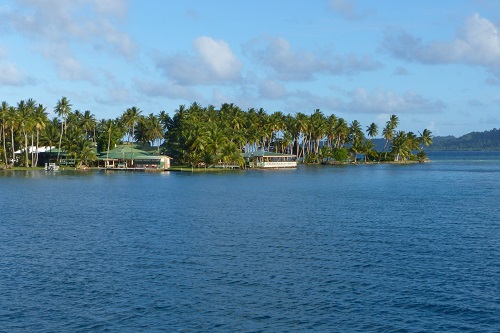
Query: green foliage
x=198, y=134
x=340, y=154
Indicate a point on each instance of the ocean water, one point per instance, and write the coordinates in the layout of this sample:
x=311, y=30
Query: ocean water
x=365, y=248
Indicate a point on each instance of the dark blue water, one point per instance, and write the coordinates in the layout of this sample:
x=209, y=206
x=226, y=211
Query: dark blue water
x=366, y=248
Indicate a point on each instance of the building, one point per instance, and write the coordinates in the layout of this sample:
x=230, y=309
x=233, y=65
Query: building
x=128, y=157
x=269, y=160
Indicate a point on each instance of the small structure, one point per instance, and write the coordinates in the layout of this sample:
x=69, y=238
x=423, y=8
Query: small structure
x=51, y=167
x=128, y=157
x=152, y=162
x=268, y=160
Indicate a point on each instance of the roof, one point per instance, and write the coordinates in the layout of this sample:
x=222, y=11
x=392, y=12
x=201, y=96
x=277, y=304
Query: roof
x=152, y=157
x=32, y=149
x=127, y=152
x=261, y=153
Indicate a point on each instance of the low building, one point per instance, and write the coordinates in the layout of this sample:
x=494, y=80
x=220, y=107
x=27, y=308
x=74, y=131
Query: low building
x=269, y=160
x=128, y=157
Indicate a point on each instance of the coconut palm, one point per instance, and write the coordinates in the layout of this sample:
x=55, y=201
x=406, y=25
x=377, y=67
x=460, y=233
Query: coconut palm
x=367, y=149
x=40, y=119
x=50, y=134
x=88, y=123
x=25, y=110
x=4, y=109
x=331, y=124
x=12, y=120
x=400, y=146
x=425, y=138
x=130, y=119
x=63, y=110
x=372, y=130
x=341, y=132
x=389, y=131
x=276, y=124
x=83, y=152
x=155, y=130
x=303, y=129
x=355, y=132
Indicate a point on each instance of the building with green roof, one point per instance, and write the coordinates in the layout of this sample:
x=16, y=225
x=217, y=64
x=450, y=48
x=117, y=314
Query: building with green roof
x=131, y=158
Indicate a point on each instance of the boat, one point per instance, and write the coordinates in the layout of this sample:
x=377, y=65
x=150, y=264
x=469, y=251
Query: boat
x=51, y=167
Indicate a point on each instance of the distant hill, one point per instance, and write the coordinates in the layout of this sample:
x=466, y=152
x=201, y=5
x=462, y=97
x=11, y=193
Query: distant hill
x=487, y=140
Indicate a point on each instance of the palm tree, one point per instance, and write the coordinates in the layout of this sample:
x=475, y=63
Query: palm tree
x=24, y=110
x=341, y=132
x=88, y=122
x=40, y=119
x=356, y=148
x=4, y=109
x=400, y=147
x=355, y=132
x=331, y=124
x=389, y=131
x=302, y=129
x=108, y=128
x=372, y=130
x=83, y=152
x=230, y=153
x=153, y=129
x=367, y=149
x=276, y=124
x=130, y=119
x=317, y=128
x=215, y=138
x=12, y=120
x=50, y=134
x=63, y=110
x=425, y=138
x=393, y=121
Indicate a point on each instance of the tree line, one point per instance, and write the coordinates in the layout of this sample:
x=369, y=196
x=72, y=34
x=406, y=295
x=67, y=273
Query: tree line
x=197, y=134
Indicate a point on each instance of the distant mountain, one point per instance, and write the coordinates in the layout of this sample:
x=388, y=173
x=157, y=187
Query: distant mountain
x=487, y=140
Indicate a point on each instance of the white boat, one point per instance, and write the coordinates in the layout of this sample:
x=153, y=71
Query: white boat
x=51, y=167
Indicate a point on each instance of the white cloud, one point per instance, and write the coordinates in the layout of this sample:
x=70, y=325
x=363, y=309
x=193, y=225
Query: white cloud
x=10, y=75
x=381, y=101
x=276, y=54
x=476, y=43
x=272, y=90
x=213, y=62
x=170, y=90
x=68, y=67
x=52, y=23
x=346, y=8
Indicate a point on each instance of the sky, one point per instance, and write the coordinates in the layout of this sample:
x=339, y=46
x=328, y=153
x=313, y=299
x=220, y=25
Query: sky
x=434, y=64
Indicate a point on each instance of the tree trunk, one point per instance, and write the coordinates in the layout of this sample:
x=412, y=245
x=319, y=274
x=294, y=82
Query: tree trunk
x=32, y=153
x=4, y=144
x=26, y=153
x=13, y=148
x=37, y=143
x=60, y=141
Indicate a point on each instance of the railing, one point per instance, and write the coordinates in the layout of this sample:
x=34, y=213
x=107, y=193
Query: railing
x=288, y=164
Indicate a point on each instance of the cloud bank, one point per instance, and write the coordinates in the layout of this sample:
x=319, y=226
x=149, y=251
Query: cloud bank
x=476, y=43
x=213, y=62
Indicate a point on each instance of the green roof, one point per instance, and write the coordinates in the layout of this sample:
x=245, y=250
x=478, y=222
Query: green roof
x=126, y=152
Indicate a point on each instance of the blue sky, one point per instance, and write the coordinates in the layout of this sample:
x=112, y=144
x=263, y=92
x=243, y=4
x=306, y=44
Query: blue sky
x=435, y=64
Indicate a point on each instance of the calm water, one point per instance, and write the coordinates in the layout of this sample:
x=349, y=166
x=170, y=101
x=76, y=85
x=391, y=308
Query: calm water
x=375, y=248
